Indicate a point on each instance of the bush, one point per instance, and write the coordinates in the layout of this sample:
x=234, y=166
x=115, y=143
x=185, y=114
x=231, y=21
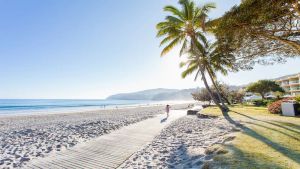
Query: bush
x=297, y=98
x=261, y=102
x=275, y=107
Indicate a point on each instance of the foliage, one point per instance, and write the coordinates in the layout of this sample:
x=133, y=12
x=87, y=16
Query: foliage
x=237, y=96
x=258, y=29
x=261, y=102
x=182, y=25
x=208, y=59
x=202, y=95
x=278, y=94
x=297, y=98
x=262, y=87
x=231, y=95
x=275, y=107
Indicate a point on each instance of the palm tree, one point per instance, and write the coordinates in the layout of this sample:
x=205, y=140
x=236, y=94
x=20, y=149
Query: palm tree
x=185, y=26
x=217, y=62
x=213, y=60
x=214, y=67
x=182, y=26
x=209, y=61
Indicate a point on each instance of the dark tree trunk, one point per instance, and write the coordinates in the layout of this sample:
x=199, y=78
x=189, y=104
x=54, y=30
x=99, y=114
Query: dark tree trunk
x=202, y=70
x=226, y=100
x=217, y=89
x=262, y=96
x=210, y=92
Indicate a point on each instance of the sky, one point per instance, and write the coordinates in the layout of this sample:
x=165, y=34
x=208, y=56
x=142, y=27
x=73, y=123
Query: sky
x=90, y=49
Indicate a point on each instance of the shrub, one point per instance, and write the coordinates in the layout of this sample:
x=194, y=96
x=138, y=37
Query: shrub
x=261, y=102
x=297, y=98
x=275, y=107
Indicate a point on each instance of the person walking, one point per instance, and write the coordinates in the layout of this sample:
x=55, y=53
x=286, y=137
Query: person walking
x=168, y=110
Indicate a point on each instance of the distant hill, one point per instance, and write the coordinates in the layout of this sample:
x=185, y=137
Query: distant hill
x=155, y=94
x=161, y=94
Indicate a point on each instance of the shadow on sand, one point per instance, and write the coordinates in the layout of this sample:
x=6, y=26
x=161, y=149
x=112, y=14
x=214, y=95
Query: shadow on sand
x=182, y=159
x=163, y=120
x=276, y=146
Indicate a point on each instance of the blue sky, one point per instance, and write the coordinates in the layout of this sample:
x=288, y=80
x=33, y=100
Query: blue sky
x=94, y=48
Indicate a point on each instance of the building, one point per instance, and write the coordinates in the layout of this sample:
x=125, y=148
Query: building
x=290, y=83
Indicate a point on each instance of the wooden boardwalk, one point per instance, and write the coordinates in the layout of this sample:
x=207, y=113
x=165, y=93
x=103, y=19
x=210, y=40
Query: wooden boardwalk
x=108, y=151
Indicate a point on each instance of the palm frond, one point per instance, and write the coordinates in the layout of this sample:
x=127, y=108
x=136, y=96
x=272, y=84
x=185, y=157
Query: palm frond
x=182, y=64
x=197, y=48
x=170, y=46
x=174, y=11
x=174, y=20
x=168, y=31
x=185, y=8
x=207, y=7
x=162, y=25
x=212, y=46
x=167, y=39
x=191, y=69
x=184, y=48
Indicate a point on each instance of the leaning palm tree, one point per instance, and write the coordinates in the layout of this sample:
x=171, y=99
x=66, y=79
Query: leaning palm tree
x=206, y=63
x=222, y=65
x=217, y=62
x=213, y=60
x=185, y=27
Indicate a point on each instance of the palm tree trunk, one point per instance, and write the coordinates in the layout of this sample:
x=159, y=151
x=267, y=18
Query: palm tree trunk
x=210, y=92
x=202, y=70
x=226, y=99
x=217, y=89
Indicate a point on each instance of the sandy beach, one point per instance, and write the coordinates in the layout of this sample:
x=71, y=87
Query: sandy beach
x=27, y=137
x=183, y=144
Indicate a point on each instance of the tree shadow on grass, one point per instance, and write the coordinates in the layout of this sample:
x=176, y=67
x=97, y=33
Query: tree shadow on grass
x=291, y=154
x=292, y=125
x=275, y=124
x=269, y=128
x=242, y=160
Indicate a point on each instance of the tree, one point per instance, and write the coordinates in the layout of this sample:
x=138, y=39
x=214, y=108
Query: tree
x=185, y=26
x=212, y=60
x=202, y=95
x=237, y=96
x=263, y=87
x=225, y=92
x=260, y=31
x=231, y=94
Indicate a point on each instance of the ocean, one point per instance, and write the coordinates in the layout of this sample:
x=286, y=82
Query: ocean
x=29, y=106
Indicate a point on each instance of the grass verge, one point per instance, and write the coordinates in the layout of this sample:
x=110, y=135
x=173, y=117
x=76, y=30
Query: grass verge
x=265, y=141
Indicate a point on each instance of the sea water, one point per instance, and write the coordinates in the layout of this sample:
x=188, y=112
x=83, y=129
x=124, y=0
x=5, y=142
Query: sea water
x=21, y=106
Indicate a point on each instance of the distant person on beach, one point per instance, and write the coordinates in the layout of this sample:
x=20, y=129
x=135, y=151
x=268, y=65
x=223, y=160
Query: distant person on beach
x=167, y=110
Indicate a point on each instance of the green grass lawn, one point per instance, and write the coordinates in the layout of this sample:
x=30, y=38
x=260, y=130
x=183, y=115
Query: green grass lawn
x=265, y=141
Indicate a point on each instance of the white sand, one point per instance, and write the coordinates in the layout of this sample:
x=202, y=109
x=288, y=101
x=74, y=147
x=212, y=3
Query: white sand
x=23, y=138
x=182, y=144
